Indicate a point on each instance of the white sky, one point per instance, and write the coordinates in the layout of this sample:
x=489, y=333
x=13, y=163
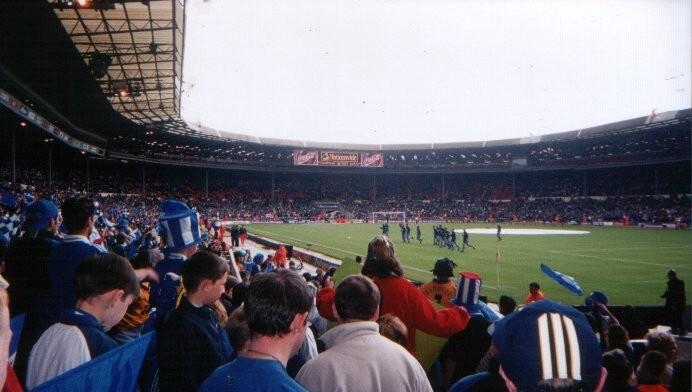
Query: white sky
x=406, y=71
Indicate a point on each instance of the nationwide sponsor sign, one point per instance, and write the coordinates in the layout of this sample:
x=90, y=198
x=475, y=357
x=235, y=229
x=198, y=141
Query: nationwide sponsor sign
x=30, y=115
x=337, y=158
x=332, y=158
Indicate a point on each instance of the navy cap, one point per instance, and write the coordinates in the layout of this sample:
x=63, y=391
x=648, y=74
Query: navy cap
x=39, y=214
x=547, y=340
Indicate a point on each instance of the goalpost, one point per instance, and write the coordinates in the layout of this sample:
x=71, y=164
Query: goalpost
x=392, y=216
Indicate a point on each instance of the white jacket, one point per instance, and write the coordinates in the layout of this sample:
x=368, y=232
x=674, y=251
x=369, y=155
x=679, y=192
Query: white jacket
x=359, y=359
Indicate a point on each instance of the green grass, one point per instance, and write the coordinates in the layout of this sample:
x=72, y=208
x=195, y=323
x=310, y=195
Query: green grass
x=628, y=264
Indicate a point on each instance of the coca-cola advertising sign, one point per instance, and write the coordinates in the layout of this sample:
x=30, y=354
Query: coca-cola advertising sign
x=337, y=158
x=305, y=158
x=369, y=159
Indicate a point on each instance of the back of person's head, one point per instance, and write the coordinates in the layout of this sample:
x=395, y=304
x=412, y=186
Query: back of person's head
x=381, y=260
x=619, y=370
x=392, y=328
x=231, y=282
x=617, y=337
x=238, y=330
x=102, y=273
x=651, y=368
x=239, y=294
x=145, y=258
x=534, y=286
x=507, y=305
x=682, y=375
x=273, y=300
x=357, y=298
x=662, y=342
x=76, y=213
x=203, y=265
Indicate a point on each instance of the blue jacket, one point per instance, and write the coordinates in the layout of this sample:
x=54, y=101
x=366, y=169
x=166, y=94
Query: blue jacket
x=62, y=265
x=191, y=345
x=165, y=293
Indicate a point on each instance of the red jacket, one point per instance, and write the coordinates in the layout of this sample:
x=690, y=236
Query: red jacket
x=404, y=300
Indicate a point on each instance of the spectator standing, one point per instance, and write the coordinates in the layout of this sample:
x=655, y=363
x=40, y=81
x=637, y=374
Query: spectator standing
x=357, y=356
x=26, y=268
x=276, y=309
x=105, y=285
x=180, y=225
x=675, y=302
x=535, y=293
x=192, y=343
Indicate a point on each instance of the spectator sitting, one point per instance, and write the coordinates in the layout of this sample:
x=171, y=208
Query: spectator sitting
x=651, y=372
x=441, y=289
x=393, y=329
x=191, y=342
x=400, y=297
x=535, y=293
x=276, y=309
x=507, y=305
x=357, y=356
x=620, y=372
x=664, y=343
x=105, y=285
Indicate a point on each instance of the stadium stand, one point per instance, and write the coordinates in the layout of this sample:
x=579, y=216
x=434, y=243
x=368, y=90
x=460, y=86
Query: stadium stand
x=101, y=137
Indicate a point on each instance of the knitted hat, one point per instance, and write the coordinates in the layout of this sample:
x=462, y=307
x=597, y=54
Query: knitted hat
x=547, y=340
x=180, y=224
x=38, y=214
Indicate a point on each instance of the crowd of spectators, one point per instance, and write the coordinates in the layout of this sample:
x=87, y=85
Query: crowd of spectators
x=107, y=268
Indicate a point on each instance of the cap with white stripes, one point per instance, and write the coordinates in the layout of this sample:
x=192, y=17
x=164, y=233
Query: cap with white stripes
x=547, y=341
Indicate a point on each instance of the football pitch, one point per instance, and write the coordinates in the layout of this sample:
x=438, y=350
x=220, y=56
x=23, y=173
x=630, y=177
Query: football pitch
x=628, y=264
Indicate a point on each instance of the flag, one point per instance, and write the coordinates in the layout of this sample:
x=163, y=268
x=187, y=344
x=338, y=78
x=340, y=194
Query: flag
x=116, y=370
x=565, y=280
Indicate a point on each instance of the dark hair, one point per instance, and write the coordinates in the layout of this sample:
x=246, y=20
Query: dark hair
x=507, y=305
x=533, y=285
x=76, y=212
x=237, y=328
x=651, y=368
x=145, y=259
x=202, y=265
x=101, y=273
x=239, y=294
x=273, y=300
x=381, y=260
x=619, y=370
x=231, y=282
x=356, y=298
x=617, y=337
x=359, y=259
x=392, y=328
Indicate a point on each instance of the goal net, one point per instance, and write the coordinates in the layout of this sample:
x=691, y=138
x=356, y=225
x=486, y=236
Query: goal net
x=391, y=216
